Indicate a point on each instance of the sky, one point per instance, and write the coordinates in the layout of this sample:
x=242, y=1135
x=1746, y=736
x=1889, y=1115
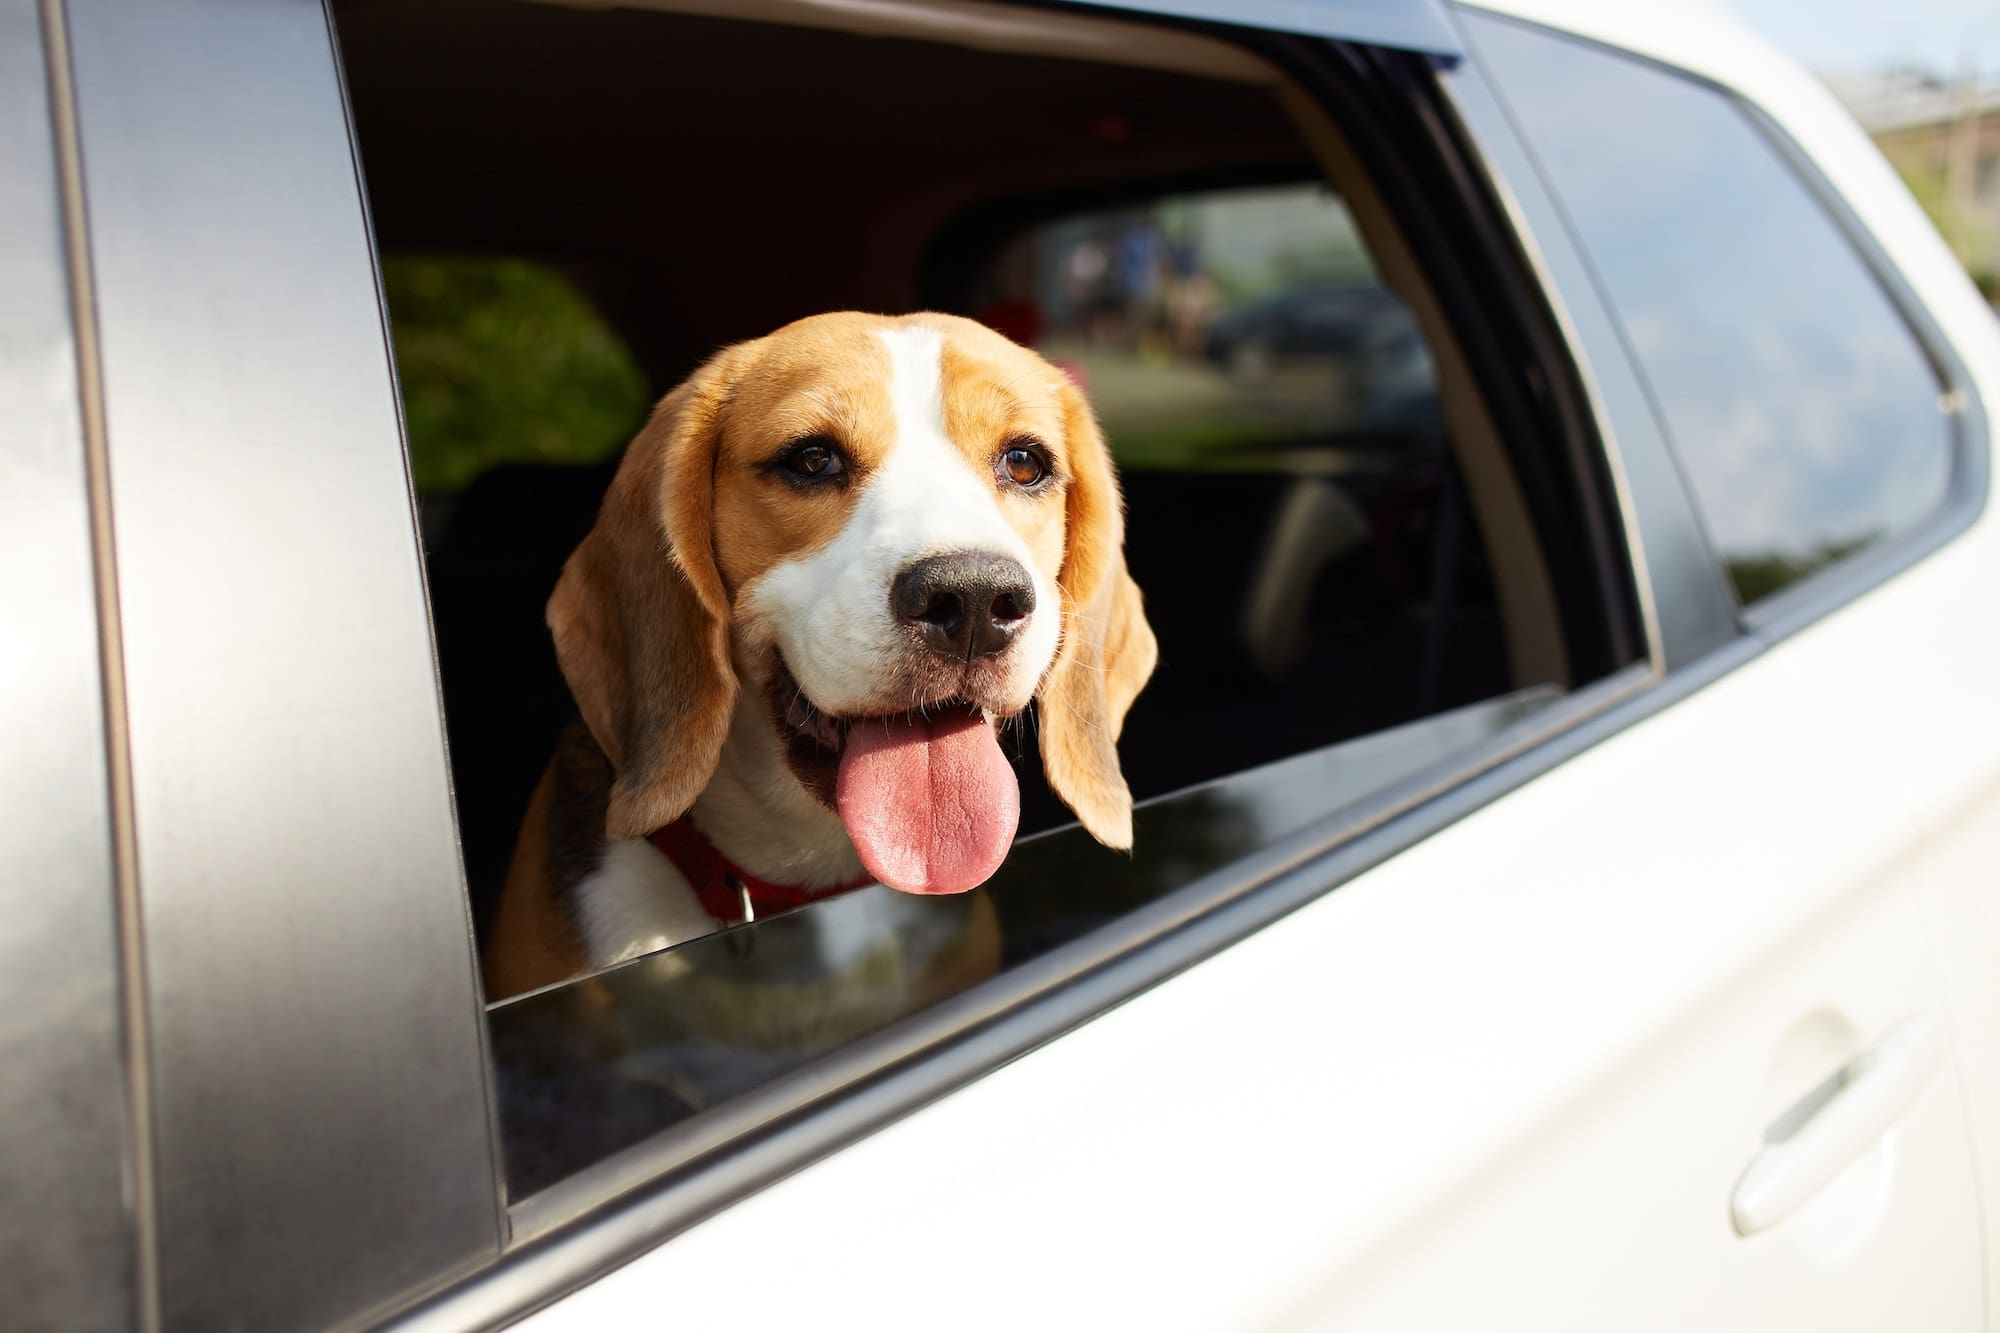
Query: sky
x=1851, y=36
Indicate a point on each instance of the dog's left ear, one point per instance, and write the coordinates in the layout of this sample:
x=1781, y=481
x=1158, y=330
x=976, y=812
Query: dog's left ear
x=1107, y=650
x=641, y=619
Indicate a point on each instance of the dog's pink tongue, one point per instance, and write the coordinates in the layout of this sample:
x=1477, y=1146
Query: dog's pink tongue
x=929, y=803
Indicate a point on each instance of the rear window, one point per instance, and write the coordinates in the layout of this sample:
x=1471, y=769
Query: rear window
x=1805, y=413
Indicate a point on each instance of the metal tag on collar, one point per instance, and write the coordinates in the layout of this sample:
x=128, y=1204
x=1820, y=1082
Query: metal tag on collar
x=742, y=895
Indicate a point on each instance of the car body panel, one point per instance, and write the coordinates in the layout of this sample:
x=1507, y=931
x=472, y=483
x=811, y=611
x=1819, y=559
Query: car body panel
x=1414, y=25
x=68, y=1151
x=315, y=1072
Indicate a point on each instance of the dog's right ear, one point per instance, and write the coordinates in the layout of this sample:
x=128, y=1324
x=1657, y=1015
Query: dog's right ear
x=641, y=619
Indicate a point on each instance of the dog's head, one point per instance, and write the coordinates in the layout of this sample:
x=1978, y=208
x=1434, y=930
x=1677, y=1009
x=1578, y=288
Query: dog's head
x=897, y=532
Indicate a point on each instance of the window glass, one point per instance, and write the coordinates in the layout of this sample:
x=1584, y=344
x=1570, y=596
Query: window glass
x=1806, y=415
x=585, y=1071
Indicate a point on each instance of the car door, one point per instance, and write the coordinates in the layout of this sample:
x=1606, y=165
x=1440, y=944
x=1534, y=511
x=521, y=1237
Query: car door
x=1494, y=1042
x=1644, y=1031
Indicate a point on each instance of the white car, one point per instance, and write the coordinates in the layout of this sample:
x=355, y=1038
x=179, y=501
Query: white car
x=1565, y=888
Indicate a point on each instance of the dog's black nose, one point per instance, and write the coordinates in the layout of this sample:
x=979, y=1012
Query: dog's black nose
x=966, y=605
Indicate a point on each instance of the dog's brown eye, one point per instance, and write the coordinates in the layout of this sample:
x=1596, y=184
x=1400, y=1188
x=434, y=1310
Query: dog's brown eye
x=818, y=462
x=1022, y=466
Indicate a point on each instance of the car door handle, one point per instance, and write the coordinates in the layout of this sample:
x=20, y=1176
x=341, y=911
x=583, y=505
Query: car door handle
x=1825, y=1130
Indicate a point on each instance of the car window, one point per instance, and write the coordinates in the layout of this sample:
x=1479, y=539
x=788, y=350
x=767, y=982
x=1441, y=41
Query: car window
x=1805, y=413
x=1344, y=546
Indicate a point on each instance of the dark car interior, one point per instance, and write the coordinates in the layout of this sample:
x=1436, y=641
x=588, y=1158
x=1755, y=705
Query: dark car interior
x=703, y=180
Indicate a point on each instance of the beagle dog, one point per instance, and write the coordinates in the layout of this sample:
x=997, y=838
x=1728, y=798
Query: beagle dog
x=833, y=564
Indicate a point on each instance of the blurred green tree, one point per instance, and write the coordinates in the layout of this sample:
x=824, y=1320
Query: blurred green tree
x=1757, y=576
x=1965, y=234
x=504, y=361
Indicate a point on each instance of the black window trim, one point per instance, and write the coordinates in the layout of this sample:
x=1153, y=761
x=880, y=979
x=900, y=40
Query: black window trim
x=1824, y=591
x=605, y=1215
x=1686, y=605
x=1466, y=293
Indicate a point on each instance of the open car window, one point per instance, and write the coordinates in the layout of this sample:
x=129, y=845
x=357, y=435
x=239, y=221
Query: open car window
x=1369, y=545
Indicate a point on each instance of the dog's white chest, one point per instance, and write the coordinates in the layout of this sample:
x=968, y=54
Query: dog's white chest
x=636, y=902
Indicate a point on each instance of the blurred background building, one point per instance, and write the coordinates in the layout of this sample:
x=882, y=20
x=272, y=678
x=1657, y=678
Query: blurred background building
x=1923, y=78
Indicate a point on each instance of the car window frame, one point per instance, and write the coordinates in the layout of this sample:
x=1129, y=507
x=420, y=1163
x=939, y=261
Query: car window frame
x=609, y=1213
x=1825, y=590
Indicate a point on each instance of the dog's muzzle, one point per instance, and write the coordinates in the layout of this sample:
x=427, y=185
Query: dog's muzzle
x=965, y=605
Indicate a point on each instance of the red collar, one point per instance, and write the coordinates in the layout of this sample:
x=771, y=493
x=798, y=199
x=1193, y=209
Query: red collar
x=724, y=887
